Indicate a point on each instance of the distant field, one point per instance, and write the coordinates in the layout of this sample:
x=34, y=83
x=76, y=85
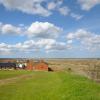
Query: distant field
x=50, y=86
x=87, y=67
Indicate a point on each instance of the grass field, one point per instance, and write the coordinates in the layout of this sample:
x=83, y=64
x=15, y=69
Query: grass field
x=49, y=86
x=4, y=74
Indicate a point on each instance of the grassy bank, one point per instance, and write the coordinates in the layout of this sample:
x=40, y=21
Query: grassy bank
x=51, y=86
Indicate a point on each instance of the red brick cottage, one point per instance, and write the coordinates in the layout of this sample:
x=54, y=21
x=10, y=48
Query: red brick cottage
x=37, y=65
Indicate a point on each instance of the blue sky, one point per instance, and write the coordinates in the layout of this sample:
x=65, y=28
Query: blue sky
x=50, y=28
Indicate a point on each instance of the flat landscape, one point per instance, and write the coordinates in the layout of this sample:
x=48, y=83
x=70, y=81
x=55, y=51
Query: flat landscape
x=86, y=67
x=35, y=85
x=49, y=49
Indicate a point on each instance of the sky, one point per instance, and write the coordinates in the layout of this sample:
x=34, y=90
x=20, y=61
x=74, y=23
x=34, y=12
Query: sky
x=49, y=28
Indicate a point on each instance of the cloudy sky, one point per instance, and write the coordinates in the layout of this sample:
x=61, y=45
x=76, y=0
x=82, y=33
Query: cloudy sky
x=50, y=28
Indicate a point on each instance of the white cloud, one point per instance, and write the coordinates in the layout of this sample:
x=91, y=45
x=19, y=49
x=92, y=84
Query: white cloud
x=8, y=28
x=24, y=47
x=56, y=46
x=36, y=29
x=45, y=42
x=88, y=40
x=70, y=41
x=0, y=26
x=79, y=34
x=52, y=5
x=57, y=6
x=5, y=49
x=70, y=36
x=43, y=30
x=31, y=46
x=76, y=16
x=35, y=6
x=53, y=45
x=64, y=10
x=26, y=6
x=88, y=4
x=11, y=29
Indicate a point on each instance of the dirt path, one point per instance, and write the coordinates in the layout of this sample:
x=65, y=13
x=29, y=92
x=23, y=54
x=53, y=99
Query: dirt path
x=15, y=79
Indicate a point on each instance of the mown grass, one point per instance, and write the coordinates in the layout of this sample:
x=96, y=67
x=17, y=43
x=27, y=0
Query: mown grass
x=4, y=74
x=51, y=86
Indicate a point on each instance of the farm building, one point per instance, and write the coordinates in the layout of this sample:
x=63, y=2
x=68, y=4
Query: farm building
x=37, y=65
x=7, y=65
x=23, y=64
x=12, y=64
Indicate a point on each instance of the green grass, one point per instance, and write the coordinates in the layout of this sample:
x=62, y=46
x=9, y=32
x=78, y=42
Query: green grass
x=4, y=74
x=51, y=86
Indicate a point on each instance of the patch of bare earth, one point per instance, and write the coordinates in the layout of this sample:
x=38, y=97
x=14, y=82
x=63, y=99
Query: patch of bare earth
x=15, y=79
